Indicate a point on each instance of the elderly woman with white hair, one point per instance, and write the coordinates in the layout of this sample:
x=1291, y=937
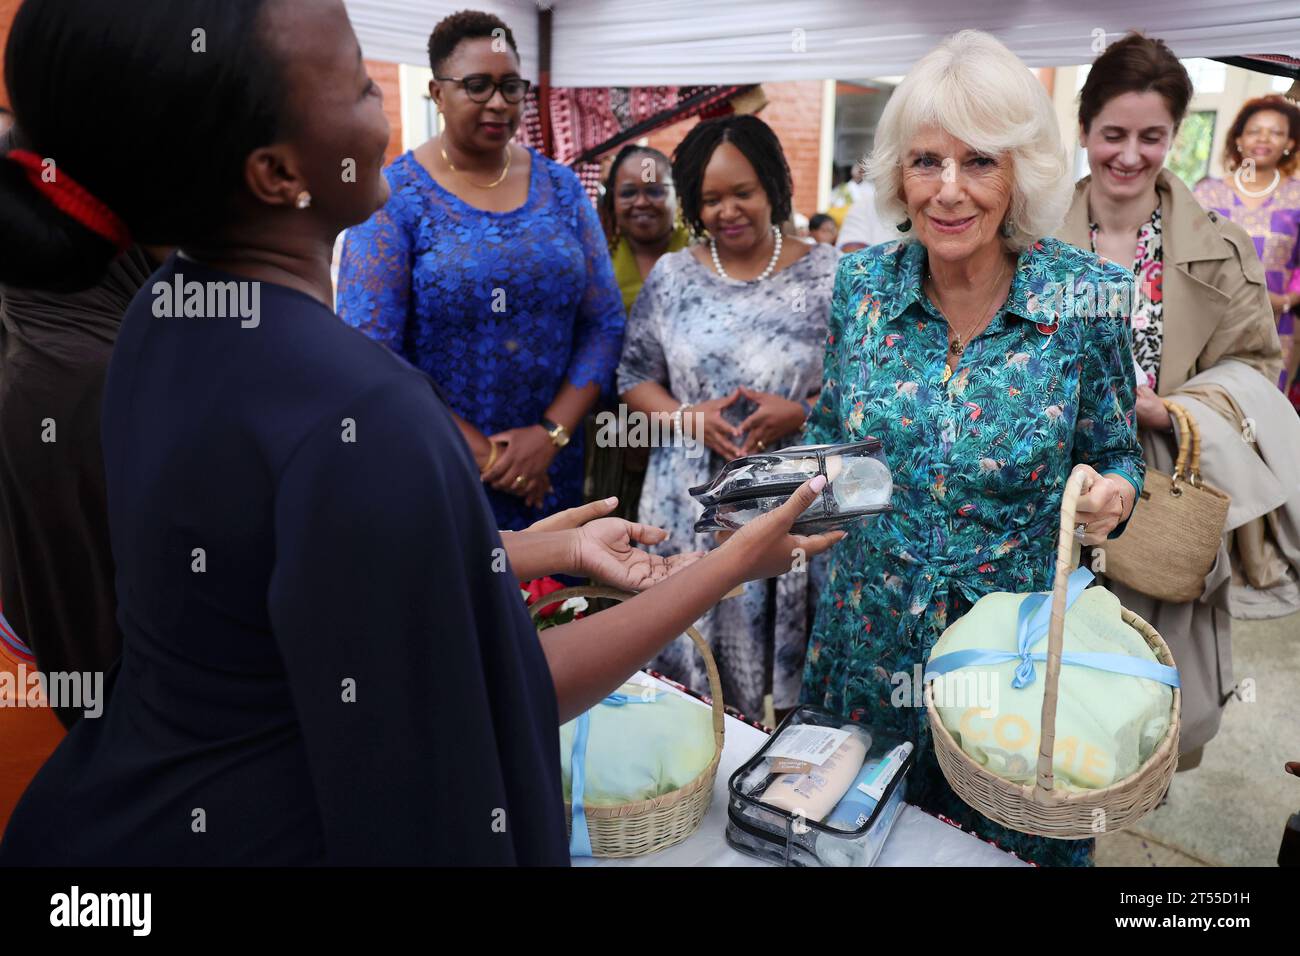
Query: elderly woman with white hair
x=953, y=347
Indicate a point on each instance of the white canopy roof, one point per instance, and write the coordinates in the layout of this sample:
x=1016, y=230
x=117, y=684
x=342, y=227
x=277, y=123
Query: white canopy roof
x=686, y=42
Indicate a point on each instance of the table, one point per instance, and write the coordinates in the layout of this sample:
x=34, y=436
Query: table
x=917, y=839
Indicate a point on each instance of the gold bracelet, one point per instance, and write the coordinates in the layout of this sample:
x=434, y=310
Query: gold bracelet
x=492, y=458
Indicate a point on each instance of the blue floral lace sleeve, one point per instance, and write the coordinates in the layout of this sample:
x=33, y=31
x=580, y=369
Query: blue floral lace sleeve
x=374, y=284
x=599, y=330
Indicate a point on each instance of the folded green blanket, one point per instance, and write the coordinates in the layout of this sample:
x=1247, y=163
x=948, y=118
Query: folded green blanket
x=638, y=751
x=1107, y=724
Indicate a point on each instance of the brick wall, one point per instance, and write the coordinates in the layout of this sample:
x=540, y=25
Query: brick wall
x=385, y=76
x=794, y=111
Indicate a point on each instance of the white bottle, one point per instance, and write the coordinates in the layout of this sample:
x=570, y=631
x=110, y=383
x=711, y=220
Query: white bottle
x=813, y=795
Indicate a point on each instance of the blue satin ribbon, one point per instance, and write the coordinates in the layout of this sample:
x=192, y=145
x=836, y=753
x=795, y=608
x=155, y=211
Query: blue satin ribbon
x=580, y=838
x=1031, y=627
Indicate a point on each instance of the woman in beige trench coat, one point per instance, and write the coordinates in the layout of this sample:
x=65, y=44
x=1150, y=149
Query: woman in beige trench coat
x=1203, y=334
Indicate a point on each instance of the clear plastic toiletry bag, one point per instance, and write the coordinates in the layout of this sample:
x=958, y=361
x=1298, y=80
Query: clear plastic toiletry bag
x=822, y=791
x=859, y=485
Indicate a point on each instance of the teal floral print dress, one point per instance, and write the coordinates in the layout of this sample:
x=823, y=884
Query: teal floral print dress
x=980, y=462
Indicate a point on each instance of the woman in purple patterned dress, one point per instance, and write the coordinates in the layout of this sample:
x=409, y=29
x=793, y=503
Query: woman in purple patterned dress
x=1261, y=195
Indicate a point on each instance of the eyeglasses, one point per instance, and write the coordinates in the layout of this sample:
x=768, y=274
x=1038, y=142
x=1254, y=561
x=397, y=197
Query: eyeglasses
x=656, y=192
x=929, y=167
x=480, y=87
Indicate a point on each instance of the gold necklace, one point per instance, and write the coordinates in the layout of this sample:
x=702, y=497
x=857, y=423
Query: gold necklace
x=492, y=185
x=960, y=347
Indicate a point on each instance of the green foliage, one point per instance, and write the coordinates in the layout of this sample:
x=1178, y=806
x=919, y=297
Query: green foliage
x=1189, y=159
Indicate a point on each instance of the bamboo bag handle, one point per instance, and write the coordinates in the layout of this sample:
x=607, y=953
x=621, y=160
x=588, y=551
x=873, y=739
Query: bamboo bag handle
x=1188, y=466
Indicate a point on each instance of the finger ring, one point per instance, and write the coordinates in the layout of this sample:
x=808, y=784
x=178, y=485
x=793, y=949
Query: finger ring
x=1080, y=530
x=519, y=480
x=761, y=446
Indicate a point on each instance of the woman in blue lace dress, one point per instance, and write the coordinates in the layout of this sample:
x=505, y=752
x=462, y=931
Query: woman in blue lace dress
x=488, y=270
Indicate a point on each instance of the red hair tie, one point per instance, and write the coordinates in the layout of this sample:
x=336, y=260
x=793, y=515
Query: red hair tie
x=73, y=200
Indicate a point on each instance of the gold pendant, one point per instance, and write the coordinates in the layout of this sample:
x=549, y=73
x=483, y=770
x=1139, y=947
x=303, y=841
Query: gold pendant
x=947, y=373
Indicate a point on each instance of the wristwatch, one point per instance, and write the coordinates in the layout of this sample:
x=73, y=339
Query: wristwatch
x=559, y=434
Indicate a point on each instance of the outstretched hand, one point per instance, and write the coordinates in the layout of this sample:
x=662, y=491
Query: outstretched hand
x=571, y=518
x=605, y=550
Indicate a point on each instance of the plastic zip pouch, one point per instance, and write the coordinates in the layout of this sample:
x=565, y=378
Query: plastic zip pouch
x=823, y=791
x=859, y=485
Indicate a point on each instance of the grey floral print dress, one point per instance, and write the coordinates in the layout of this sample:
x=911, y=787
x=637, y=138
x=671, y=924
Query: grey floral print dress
x=701, y=336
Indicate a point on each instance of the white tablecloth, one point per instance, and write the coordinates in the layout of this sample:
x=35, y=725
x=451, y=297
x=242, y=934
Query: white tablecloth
x=917, y=838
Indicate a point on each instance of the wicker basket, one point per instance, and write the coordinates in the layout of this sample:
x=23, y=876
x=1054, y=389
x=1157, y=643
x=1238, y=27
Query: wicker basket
x=631, y=829
x=1041, y=809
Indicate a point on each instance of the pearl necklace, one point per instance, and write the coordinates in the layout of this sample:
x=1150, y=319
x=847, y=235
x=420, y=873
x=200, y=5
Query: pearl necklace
x=1277, y=178
x=766, y=273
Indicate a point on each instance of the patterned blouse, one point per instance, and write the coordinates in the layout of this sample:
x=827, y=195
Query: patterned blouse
x=499, y=308
x=979, y=464
x=1149, y=308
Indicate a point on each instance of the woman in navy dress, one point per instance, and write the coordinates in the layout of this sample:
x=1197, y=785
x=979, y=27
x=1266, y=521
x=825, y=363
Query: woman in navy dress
x=488, y=269
x=325, y=656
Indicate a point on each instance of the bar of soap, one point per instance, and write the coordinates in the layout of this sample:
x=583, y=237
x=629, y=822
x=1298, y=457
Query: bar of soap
x=865, y=483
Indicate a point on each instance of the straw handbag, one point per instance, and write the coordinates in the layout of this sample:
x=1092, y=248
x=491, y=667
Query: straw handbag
x=1177, y=525
x=1042, y=809
x=632, y=829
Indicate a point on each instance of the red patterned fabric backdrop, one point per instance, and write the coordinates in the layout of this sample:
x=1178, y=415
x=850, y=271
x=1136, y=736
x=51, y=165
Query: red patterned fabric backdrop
x=587, y=122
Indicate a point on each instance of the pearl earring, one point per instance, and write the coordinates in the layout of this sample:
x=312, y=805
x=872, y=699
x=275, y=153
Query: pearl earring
x=304, y=199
